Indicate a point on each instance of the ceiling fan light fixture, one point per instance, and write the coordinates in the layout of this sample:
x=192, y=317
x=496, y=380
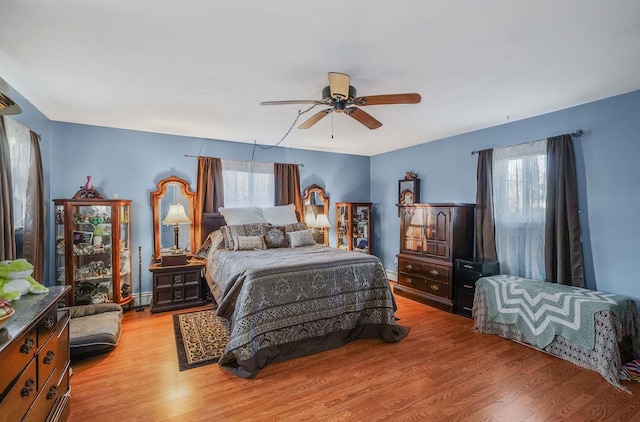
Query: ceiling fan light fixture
x=7, y=105
x=339, y=85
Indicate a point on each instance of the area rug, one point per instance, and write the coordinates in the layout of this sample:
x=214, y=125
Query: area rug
x=201, y=337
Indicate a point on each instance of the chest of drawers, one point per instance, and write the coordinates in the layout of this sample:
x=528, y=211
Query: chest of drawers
x=467, y=272
x=34, y=360
x=176, y=287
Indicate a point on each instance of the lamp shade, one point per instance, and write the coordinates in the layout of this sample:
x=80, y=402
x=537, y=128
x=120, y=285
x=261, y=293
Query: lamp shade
x=322, y=221
x=310, y=220
x=176, y=215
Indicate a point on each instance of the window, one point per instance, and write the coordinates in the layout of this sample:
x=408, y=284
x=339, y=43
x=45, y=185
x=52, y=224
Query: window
x=248, y=183
x=519, y=197
x=20, y=154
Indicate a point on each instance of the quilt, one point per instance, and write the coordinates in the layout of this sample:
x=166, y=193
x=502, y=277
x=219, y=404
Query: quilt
x=288, y=302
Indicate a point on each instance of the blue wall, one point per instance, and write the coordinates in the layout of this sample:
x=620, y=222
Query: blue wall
x=130, y=163
x=608, y=175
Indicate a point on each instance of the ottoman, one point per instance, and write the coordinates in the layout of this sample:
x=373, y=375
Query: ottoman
x=94, y=329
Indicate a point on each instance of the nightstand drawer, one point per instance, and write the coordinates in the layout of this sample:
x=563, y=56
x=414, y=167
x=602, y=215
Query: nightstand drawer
x=176, y=287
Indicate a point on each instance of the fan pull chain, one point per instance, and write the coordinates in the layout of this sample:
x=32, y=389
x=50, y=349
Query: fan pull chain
x=332, y=125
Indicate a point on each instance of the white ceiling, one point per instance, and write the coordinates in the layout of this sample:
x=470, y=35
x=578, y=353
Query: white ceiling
x=200, y=68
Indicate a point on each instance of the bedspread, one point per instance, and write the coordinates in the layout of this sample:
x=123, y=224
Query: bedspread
x=289, y=302
x=608, y=331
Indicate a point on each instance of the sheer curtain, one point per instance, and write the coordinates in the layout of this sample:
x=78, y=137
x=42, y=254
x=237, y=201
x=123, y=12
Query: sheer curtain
x=20, y=150
x=519, y=196
x=248, y=183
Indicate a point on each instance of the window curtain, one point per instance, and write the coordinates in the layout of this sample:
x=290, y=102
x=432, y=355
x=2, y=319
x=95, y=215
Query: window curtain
x=35, y=212
x=519, y=195
x=210, y=193
x=485, y=227
x=7, y=240
x=563, y=250
x=287, y=180
x=248, y=183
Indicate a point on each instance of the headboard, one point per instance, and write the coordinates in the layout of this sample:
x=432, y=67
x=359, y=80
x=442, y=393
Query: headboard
x=211, y=221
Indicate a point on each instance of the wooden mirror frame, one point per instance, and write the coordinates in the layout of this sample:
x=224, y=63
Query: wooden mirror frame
x=155, y=199
x=313, y=189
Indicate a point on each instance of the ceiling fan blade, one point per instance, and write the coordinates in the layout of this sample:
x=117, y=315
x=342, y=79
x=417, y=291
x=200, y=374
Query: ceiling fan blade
x=363, y=117
x=315, y=119
x=339, y=85
x=286, y=102
x=409, y=98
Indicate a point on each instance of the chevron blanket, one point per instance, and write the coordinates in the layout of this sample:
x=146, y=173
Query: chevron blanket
x=544, y=310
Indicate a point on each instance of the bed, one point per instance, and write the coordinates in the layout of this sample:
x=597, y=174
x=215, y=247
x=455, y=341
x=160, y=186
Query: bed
x=287, y=302
x=597, y=331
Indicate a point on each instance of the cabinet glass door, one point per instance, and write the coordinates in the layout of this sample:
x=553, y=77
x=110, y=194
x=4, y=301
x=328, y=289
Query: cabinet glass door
x=91, y=257
x=125, y=253
x=60, y=245
x=342, y=227
x=361, y=229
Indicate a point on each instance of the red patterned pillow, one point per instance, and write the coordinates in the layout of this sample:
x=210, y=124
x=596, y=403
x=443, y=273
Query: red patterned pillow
x=275, y=236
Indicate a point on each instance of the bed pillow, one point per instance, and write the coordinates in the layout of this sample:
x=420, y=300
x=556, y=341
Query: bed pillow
x=275, y=236
x=280, y=215
x=247, y=243
x=215, y=240
x=246, y=215
x=234, y=230
x=301, y=238
x=295, y=227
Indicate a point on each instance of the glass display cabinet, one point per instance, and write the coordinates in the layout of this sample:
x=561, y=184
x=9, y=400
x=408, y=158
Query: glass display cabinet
x=93, y=250
x=353, y=226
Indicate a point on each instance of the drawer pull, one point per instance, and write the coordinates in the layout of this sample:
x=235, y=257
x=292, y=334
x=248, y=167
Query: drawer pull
x=49, y=322
x=49, y=357
x=468, y=266
x=466, y=286
x=410, y=281
x=28, y=387
x=409, y=267
x=434, y=273
x=466, y=308
x=53, y=391
x=28, y=344
x=435, y=287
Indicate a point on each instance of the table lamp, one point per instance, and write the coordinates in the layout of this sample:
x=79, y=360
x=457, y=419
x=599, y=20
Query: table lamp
x=176, y=216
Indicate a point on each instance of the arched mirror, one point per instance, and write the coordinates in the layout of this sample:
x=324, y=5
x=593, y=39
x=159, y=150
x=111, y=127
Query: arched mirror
x=316, y=213
x=173, y=208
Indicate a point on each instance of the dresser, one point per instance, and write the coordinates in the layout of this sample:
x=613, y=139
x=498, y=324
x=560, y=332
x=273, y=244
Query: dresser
x=176, y=287
x=432, y=237
x=34, y=359
x=467, y=272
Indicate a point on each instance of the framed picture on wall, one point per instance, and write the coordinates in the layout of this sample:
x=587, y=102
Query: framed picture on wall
x=409, y=191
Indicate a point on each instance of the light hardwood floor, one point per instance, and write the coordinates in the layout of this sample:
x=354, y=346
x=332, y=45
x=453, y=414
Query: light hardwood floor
x=443, y=371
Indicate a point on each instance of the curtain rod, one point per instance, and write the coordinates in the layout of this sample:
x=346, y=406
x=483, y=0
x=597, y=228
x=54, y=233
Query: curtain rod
x=198, y=156
x=578, y=133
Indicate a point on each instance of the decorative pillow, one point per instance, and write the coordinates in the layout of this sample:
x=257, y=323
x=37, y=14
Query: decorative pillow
x=280, y=215
x=246, y=243
x=275, y=236
x=295, y=227
x=233, y=231
x=301, y=238
x=215, y=240
x=248, y=215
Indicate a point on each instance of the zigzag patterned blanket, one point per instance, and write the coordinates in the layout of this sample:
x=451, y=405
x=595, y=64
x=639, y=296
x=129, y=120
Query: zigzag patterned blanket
x=543, y=310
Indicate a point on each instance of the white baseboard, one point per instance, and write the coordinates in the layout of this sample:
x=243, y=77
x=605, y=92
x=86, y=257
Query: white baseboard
x=144, y=298
x=392, y=276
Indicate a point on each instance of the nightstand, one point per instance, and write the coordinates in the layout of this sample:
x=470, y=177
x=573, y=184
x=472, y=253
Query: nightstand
x=467, y=272
x=176, y=287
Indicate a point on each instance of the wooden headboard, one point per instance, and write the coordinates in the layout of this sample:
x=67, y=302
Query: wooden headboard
x=211, y=221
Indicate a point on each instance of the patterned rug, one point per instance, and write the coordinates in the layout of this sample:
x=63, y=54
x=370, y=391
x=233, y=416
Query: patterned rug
x=200, y=338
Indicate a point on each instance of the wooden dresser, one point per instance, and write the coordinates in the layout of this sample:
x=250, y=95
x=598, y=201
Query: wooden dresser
x=34, y=360
x=432, y=237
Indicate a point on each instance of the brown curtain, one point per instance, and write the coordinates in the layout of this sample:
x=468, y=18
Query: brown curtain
x=210, y=193
x=287, y=181
x=7, y=239
x=34, y=222
x=485, y=227
x=563, y=251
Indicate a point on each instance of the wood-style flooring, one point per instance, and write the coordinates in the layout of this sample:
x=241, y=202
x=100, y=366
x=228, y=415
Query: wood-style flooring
x=443, y=371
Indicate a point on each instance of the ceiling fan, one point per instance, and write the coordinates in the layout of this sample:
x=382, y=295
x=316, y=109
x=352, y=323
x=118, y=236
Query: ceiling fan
x=341, y=98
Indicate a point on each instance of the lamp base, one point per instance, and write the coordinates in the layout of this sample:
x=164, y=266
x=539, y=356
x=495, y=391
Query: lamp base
x=171, y=260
